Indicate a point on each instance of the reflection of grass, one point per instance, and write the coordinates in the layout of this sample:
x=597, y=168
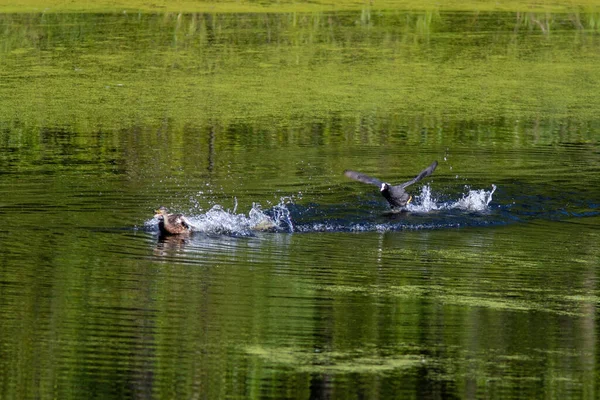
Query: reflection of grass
x=461, y=89
x=195, y=69
x=291, y=6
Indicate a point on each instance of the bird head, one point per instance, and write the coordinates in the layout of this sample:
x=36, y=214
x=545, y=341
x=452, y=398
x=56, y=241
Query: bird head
x=161, y=212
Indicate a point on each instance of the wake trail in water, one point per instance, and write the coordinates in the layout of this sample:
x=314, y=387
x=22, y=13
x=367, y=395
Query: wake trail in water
x=426, y=212
x=472, y=208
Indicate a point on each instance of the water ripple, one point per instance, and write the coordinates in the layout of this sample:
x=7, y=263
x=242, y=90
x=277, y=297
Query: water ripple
x=430, y=210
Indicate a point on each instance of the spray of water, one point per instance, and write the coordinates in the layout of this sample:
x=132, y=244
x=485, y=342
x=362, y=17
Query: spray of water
x=218, y=220
x=278, y=218
x=475, y=200
x=472, y=200
x=281, y=214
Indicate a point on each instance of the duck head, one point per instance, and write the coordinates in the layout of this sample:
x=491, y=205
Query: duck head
x=161, y=212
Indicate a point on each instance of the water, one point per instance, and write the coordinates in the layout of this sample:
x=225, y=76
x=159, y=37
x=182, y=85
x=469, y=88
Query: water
x=485, y=288
x=288, y=217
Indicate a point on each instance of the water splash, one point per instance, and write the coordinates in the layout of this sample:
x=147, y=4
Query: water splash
x=289, y=217
x=474, y=200
x=281, y=214
x=220, y=221
x=217, y=220
x=424, y=202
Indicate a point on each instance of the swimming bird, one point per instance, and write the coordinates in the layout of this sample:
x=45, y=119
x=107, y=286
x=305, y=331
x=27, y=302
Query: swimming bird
x=394, y=194
x=172, y=224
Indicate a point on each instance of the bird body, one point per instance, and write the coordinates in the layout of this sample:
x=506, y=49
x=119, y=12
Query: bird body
x=172, y=224
x=396, y=195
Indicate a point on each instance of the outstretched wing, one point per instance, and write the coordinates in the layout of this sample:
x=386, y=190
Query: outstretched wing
x=423, y=174
x=185, y=222
x=357, y=176
x=179, y=219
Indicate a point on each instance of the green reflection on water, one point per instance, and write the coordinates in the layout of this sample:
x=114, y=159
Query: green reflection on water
x=104, y=117
x=110, y=70
x=291, y=6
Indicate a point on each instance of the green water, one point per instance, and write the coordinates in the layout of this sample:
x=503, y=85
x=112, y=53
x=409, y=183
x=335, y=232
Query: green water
x=105, y=117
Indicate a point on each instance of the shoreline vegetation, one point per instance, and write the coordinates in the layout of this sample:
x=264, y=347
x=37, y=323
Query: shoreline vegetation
x=282, y=6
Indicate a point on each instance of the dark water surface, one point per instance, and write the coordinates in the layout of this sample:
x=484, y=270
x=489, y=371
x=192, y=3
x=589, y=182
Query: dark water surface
x=486, y=288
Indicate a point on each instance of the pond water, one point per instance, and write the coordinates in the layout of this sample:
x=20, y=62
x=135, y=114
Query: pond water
x=486, y=288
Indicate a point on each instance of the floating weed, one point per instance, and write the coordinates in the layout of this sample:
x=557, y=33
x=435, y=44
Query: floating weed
x=366, y=365
x=342, y=288
x=565, y=353
x=495, y=303
x=514, y=357
x=278, y=355
x=582, y=298
x=411, y=290
x=522, y=378
x=511, y=300
x=355, y=361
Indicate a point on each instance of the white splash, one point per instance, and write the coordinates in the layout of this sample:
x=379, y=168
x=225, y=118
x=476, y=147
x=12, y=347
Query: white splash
x=474, y=200
x=218, y=220
x=427, y=201
x=281, y=214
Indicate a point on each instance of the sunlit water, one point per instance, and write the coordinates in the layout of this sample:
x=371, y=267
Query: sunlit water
x=297, y=282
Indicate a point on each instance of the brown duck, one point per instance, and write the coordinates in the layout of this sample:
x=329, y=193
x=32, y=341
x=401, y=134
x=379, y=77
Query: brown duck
x=394, y=194
x=172, y=224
